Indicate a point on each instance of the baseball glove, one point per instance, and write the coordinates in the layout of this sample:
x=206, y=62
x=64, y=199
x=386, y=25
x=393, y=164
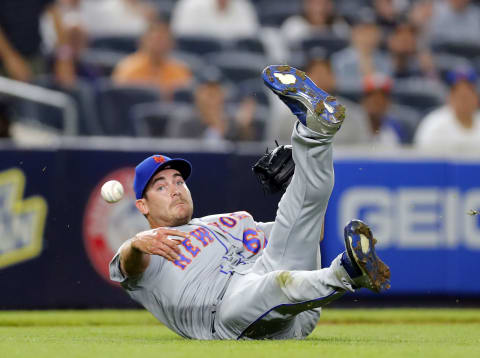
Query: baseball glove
x=275, y=169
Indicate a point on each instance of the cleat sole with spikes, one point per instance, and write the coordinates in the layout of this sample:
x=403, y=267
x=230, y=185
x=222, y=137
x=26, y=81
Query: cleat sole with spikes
x=360, y=246
x=314, y=108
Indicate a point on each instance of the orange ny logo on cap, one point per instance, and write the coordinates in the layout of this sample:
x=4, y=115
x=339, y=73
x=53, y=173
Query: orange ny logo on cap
x=159, y=159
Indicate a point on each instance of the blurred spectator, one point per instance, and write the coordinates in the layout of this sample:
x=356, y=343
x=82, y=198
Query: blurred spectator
x=420, y=13
x=384, y=125
x=454, y=21
x=362, y=57
x=386, y=14
x=318, y=18
x=223, y=19
x=152, y=63
x=407, y=59
x=20, y=41
x=211, y=120
x=108, y=17
x=77, y=39
x=457, y=124
x=319, y=69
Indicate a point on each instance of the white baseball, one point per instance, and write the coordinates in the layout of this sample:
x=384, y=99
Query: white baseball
x=112, y=191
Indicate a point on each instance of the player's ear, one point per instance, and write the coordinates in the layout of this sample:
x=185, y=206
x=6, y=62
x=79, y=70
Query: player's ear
x=142, y=206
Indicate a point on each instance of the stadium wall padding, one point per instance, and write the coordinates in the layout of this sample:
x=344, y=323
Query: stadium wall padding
x=57, y=235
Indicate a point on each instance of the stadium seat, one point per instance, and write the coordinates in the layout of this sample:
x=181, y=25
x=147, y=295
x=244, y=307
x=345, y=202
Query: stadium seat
x=464, y=50
x=351, y=89
x=254, y=88
x=52, y=117
x=149, y=119
x=120, y=44
x=183, y=95
x=238, y=66
x=103, y=60
x=418, y=93
x=330, y=44
x=199, y=45
x=195, y=62
x=115, y=102
x=275, y=13
x=249, y=45
x=350, y=9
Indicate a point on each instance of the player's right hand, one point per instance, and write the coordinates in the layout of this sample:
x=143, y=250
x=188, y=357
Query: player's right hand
x=157, y=242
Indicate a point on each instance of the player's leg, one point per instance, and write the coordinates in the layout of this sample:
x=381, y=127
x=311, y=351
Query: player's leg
x=266, y=305
x=262, y=306
x=294, y=239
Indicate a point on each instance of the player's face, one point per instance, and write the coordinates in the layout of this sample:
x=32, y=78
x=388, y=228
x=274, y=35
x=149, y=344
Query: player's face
x=167, y=200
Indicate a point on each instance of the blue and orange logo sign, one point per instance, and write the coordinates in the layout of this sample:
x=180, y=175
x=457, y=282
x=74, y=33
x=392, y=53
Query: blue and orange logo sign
x=22, y=221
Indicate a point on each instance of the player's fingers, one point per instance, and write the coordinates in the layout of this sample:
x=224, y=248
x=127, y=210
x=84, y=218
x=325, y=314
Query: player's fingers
x=167, y=240
x=172, y=232
x=168, y=250
x=171, y=244
x=165, y=254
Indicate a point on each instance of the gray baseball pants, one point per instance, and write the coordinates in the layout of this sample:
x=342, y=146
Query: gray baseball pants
x=282, y=295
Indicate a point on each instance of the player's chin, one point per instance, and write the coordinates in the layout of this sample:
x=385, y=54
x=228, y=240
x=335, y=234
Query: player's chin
x=183, y=214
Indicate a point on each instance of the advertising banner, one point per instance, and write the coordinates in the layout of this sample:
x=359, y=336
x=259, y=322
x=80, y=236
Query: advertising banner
x=421, y=214
x=57, y=235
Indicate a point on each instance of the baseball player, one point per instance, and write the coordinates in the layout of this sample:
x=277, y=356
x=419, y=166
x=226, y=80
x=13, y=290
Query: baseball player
x=229, y=277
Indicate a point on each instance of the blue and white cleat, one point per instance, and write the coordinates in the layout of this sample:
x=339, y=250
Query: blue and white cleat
x=314, y=108
x=368, y=270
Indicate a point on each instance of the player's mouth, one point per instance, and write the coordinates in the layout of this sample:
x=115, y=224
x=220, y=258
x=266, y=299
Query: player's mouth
x=179, y=203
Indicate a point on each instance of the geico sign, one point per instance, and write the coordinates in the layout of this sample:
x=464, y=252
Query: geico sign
x=426, y=217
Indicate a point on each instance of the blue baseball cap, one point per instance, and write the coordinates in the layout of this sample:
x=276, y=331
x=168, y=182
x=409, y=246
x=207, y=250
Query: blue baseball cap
x=467, y=74
x=147, y=168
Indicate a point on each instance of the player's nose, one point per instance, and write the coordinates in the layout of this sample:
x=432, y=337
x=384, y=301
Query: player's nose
x=175, y=191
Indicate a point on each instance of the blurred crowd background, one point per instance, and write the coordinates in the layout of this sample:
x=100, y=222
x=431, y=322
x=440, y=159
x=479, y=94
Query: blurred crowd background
x=406, y=70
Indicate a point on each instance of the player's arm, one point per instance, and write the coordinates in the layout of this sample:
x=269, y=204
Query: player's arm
x=135, y=253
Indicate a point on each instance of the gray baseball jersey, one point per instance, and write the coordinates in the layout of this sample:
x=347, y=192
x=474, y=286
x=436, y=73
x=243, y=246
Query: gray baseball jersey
x=237, y=278
x=183, y=294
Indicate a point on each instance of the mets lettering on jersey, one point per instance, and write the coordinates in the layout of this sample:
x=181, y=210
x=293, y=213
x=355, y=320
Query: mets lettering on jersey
x=182, y=294
x=21, y=220
x=250, y=238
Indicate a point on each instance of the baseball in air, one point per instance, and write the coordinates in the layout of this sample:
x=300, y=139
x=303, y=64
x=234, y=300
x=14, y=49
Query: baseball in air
x=112, y=191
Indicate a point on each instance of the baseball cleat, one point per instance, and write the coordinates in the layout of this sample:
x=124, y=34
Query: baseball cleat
x=360, y=244
x=314, y=108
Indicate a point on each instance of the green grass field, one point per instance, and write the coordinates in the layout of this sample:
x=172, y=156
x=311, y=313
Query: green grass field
x=341, y=333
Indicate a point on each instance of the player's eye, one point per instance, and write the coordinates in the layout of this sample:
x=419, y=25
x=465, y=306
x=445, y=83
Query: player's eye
x=161, y=187
x=180, y=182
